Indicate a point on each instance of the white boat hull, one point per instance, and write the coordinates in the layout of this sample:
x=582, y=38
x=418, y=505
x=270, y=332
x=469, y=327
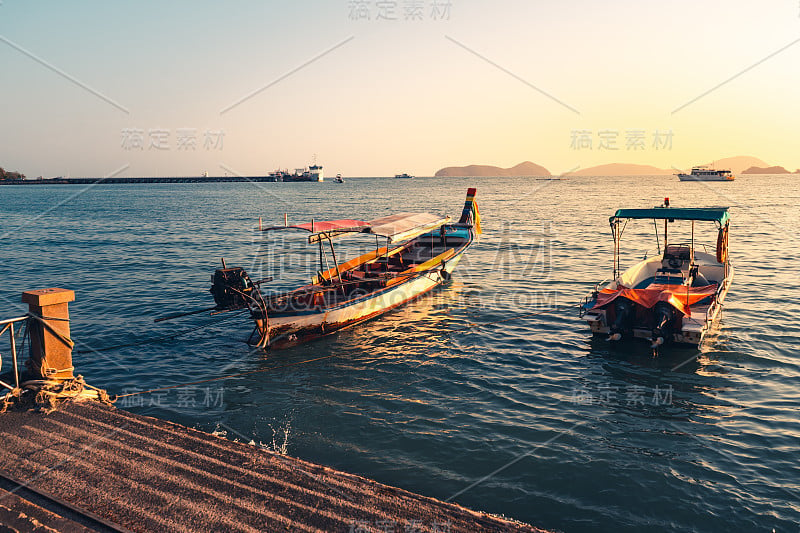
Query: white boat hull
x=690, y=177
x=693, y=330
x=285, y=331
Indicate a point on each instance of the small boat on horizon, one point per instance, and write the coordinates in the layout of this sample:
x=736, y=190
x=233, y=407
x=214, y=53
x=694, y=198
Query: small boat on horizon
x=673, y=297
x=706, y=173
x=404, y=176
x=420, y=253
x=338, y=179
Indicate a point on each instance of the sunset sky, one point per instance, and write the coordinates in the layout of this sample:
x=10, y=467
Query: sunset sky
x=244, y=87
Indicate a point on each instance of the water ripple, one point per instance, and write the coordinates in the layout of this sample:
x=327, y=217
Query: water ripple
x=469, y=379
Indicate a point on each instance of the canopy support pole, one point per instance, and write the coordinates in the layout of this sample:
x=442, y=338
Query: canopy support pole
x=658, y=242
x=321, y=265
x=616, y=235
x=336, y=263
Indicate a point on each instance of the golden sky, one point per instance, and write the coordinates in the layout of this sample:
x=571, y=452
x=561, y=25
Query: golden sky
x=418, y=85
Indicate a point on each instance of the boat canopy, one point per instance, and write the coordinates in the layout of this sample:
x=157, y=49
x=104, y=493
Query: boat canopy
x=710, y=214
x=325, y=226
x=399, y=227
x=404, y=226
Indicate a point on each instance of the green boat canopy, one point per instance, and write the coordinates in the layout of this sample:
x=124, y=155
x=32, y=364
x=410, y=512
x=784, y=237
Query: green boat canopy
x=708, y=214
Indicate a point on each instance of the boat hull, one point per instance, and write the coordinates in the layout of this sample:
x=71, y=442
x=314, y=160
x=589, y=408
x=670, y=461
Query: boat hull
x=693, y=330
x=690, y=177
x=289, y=330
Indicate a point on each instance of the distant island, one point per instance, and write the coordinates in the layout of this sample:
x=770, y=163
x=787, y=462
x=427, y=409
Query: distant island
x=743, y=164
x=737, y=165
x=768, y=170
x=523, y=169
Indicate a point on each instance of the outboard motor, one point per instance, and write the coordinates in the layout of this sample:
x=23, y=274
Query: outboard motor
x=232, y=289
x=664, y=318
x=623, y=309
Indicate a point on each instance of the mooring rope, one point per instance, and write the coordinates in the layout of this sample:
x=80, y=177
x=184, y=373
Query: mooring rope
x=160, y=337
x=219, y=378
x=45, y=394
x=251, y=372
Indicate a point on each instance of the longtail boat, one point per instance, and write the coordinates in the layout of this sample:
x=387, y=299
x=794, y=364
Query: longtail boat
x=674, y=296
x=421, y=251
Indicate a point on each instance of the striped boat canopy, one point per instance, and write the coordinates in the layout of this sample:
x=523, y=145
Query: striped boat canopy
x=404, y=226
x=326, y=226
x=325, y=229
x=399, y=227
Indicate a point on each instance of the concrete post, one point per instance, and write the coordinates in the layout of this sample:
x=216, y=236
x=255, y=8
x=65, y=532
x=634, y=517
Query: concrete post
x=51, y=353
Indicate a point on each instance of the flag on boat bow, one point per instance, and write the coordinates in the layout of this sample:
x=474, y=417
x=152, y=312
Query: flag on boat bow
x=470, y=212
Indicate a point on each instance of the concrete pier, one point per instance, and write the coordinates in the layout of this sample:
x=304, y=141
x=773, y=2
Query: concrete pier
x=19, y=514
x=123, y=181
x=145, y=474
x=51, y=347
x=87, y=466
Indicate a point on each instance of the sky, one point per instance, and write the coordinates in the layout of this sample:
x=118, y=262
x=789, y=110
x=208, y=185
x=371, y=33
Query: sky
x=379, y=87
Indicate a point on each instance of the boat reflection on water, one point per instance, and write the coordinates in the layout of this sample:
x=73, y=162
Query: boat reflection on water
x=682, y=384
x=685, y=360
x=425, y=326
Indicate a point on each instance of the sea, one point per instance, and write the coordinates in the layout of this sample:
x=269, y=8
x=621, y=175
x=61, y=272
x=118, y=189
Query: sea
x=489, y=392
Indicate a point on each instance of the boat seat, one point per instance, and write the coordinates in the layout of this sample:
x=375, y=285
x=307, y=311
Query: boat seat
x=354, y=275
x=376, y=266
x=669, y=276
x=420, y=255
x=676, y=257
x=668, y=280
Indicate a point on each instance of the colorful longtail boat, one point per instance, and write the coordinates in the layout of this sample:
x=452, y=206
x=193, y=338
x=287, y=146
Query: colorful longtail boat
x=421, y=251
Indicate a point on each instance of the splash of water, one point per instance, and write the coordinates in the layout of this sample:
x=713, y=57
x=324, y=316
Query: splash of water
x=280, y=439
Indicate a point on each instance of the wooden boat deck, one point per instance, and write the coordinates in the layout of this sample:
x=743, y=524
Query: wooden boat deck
x=146, y=474
x=368, y=273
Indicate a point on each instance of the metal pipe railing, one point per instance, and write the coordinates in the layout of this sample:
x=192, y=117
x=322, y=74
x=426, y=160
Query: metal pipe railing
x=9, y=325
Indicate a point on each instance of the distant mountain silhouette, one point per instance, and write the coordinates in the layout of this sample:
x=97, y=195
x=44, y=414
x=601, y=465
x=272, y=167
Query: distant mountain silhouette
x=738, y=164
x=523, y=169
x=622, y=169
x=765, y=170
x=743, y=164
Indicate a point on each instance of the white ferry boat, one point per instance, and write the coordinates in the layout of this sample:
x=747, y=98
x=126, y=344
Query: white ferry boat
x=705, y=173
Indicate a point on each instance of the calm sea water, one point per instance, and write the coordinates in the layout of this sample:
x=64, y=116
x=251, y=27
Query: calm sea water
x=465, y=394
